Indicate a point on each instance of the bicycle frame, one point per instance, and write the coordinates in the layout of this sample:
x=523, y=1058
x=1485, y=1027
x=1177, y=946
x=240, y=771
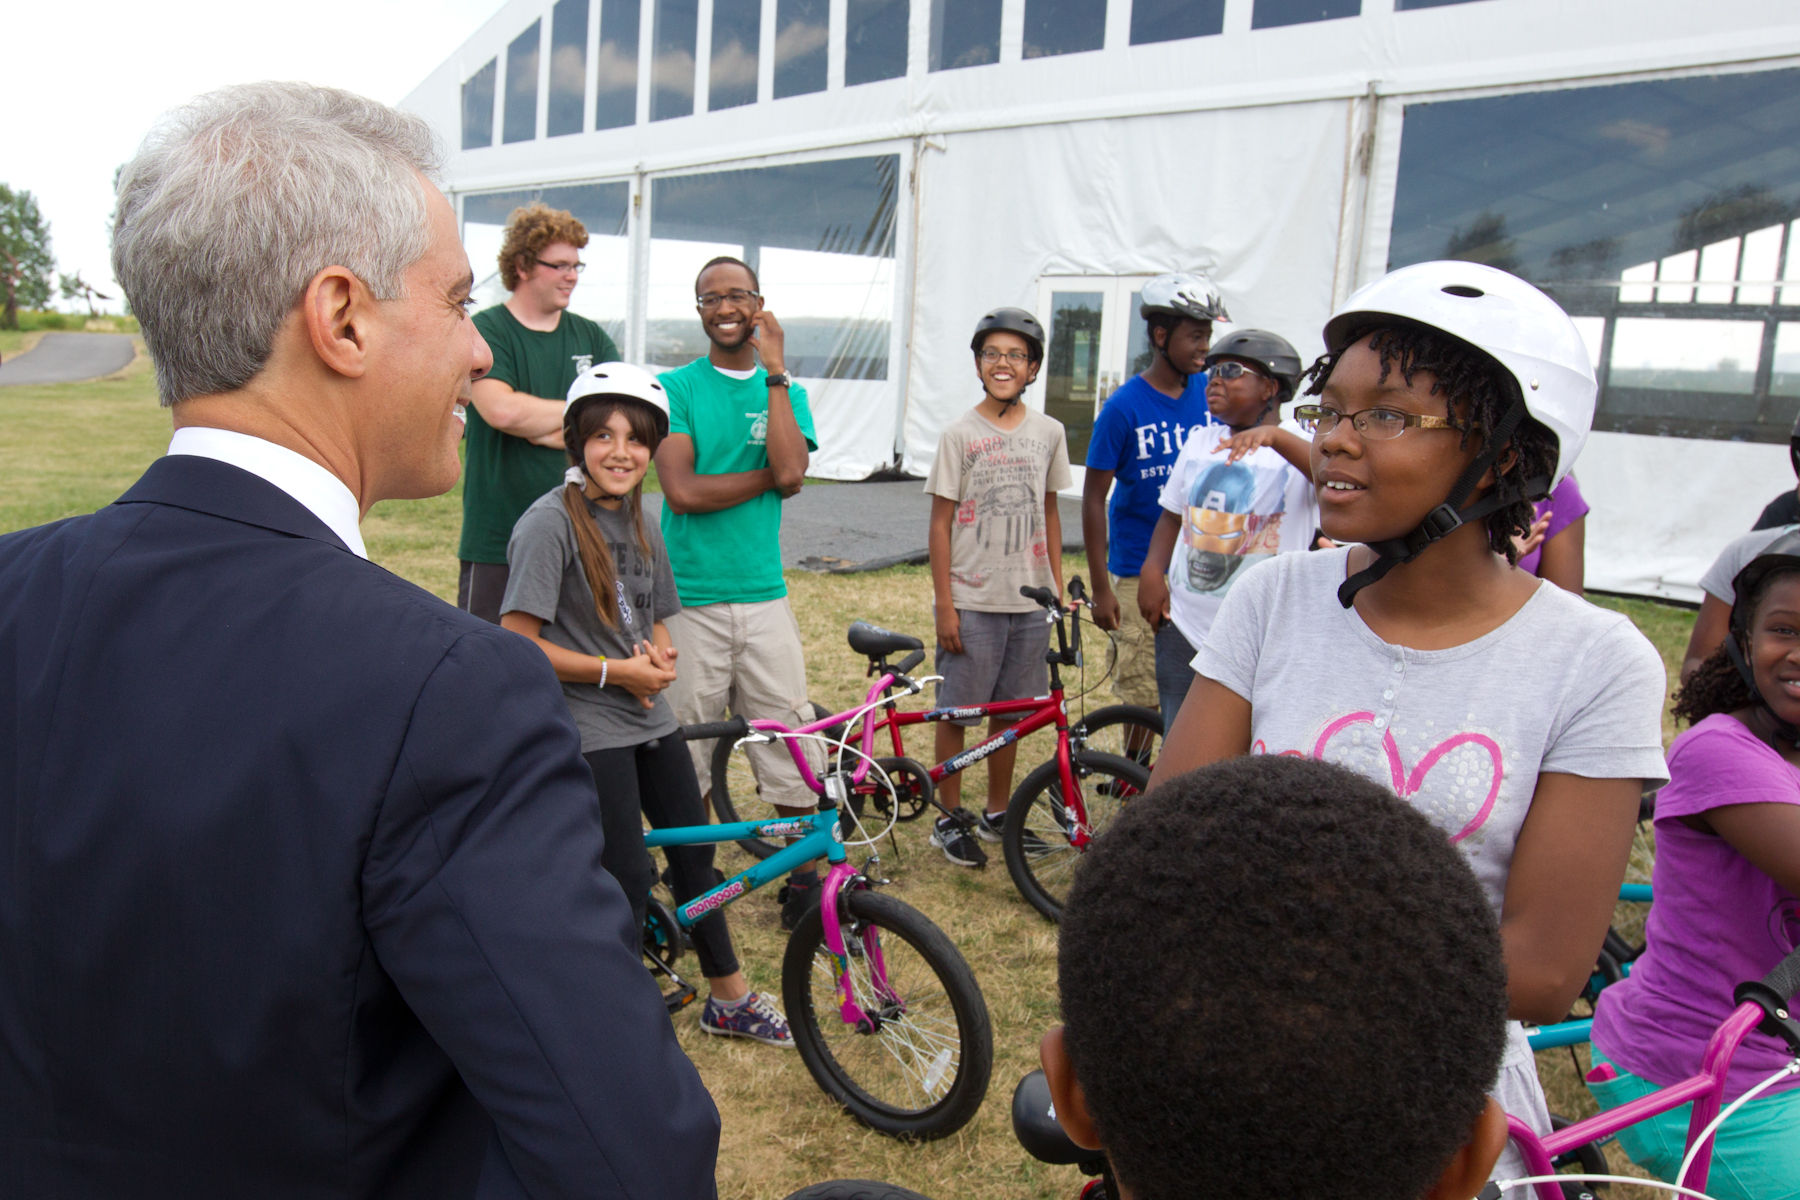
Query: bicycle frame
x=820, y=837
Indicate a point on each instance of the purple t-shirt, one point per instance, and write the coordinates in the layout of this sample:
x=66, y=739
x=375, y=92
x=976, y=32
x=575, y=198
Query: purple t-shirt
x=1566, y=507
x=1717, y=920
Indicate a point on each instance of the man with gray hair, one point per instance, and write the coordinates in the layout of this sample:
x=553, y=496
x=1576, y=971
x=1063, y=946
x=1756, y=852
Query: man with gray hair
x=300, y=886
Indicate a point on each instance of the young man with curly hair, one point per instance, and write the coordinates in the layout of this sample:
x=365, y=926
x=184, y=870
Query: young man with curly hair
x=515, y=424
x=1325, y=1014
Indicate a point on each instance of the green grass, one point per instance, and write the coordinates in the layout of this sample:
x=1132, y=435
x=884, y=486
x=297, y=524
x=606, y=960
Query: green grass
x=71, y=448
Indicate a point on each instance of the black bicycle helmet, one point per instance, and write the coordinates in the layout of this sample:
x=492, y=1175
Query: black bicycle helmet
x=1782, y=554
x=1010, y=320
x=1270, y=351
x=1794, y=447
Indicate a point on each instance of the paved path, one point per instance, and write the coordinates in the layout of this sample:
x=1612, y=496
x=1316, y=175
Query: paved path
x=845, y=527
x=68, y=357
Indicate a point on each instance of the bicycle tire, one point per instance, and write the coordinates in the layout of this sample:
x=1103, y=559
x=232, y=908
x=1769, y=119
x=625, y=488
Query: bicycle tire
x=663, y=936
x=731, y=767
x=1043, y=872
x=855, y=1189
x=932, y=1002
x=1109, y=730
x=1589, y=1157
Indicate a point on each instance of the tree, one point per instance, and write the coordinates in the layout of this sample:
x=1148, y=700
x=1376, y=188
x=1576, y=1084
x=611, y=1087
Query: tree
x=25, y=261
x=74, y=287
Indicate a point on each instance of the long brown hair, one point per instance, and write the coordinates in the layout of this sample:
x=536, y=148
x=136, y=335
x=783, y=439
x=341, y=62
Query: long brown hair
x=596, y=557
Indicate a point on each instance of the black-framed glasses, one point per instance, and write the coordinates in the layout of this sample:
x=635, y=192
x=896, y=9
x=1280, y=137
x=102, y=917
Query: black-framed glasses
x=1374, y=424
x=1232, y=369
x=1016, y=358
x=711, y=300
x=562, y=268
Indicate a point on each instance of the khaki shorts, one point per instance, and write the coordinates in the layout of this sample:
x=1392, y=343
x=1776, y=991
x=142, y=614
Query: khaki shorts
x=745, y=657
x=1134, y=678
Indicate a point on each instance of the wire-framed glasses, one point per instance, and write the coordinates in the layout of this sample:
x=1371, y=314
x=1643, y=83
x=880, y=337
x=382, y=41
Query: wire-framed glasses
x=1016, y=358
x=1374, y=424
x=738, y=296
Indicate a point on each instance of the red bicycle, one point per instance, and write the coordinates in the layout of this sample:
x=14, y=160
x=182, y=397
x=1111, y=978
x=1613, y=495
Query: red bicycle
x=1057, y=810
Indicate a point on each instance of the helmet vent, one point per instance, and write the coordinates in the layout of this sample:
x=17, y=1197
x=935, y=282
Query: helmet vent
x=1465, y=291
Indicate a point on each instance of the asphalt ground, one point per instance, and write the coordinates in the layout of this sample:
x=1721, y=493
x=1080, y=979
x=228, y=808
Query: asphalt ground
x=68, y=358
x=842, y=528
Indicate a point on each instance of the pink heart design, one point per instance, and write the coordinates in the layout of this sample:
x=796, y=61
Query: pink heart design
x=1406, y=783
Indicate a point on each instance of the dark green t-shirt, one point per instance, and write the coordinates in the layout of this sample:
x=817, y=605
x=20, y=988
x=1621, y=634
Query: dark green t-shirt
x=503, y=474
x=733, y=555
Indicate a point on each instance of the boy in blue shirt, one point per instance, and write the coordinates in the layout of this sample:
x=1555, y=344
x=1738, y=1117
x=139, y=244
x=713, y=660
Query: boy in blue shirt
x=1136, y=439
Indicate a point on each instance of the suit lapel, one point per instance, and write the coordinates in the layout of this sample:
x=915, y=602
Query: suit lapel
x=206, y=485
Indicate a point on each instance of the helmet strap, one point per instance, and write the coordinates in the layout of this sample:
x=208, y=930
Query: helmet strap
x=1783, y=731
x=1449, y=516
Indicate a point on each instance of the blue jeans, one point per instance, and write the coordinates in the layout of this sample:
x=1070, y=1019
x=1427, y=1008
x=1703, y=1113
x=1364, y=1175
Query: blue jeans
x=1173, y=675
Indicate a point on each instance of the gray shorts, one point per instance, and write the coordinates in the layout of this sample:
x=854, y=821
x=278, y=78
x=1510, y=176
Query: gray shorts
x=1002, y=659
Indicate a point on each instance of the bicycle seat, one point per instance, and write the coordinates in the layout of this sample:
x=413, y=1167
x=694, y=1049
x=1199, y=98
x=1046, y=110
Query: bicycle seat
x=1034, y=1124
x=876, y=642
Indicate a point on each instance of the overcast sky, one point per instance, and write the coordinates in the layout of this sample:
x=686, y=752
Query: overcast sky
x=84, y=82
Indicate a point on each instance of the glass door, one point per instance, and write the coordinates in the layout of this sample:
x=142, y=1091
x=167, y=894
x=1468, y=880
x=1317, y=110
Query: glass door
x=1097, y=342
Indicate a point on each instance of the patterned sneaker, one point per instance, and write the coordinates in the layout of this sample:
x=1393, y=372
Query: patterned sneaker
x=757, y=1020
x=959, y=845
x=993, y=825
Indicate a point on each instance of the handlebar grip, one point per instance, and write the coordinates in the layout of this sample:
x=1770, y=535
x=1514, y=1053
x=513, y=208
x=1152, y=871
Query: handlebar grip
x=1784, y=980
x=909, y=662
x=1774, y=994
x=1044, y=596
x=736, y=727
x=1077, y=590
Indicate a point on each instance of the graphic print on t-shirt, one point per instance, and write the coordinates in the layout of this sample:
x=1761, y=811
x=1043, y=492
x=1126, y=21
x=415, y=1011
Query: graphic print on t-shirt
x=1233, y=518
x=1003, y=512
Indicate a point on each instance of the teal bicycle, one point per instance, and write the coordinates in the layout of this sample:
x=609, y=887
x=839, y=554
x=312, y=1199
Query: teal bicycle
x=885, y=1011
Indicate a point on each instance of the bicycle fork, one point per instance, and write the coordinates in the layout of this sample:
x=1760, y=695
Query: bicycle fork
x=869, y=949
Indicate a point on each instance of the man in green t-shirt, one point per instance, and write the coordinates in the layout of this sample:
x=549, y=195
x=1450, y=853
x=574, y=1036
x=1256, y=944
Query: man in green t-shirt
x=739, y=438
x=514, y=452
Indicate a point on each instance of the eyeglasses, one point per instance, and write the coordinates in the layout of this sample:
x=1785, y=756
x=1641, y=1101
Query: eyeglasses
x=1232, y=370
x=1374, y=424
x=711, y=300
x=1016, y=358
x=562, y=268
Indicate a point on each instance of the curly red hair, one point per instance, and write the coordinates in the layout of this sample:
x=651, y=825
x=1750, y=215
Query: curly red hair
x=528, y=230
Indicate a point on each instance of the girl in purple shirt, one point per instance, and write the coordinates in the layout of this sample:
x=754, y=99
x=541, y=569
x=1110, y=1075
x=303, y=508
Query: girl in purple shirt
x=1727, y=877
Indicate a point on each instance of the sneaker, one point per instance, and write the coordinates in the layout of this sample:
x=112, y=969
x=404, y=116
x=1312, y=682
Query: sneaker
x=797, y=899
x=757, y=1020
x=959, y=845
x=993, y=825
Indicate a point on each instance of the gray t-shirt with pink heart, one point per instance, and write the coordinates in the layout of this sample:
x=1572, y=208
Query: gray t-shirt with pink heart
x=1460, y=734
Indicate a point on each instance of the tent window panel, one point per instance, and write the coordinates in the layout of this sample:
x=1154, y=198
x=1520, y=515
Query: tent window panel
x=1784, y=380
x=820, y=237
x=603, y=293
x=964, y=33
x=522, y=85
x=568, y=66
x=802, y=32
x=1169, y=20
x=478, y=107
x=1270, y=13
x=1063, y=26
x=875, y=39
x=736, y=36
x=1663, y=210
x=1072, y=374
x=674, y=36
x=616, y=74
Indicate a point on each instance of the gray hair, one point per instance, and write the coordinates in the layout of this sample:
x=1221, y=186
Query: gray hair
x=239, y=197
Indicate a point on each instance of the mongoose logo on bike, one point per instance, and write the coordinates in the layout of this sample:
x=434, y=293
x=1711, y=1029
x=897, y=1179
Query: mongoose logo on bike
x=783, y=829
x=712, y=900
x=969, y=758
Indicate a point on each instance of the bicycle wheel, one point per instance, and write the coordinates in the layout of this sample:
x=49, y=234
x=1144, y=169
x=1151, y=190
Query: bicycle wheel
x=855, y=1189
x=732, y=780
x=1127, y=730
x=663, y=937
x=922, y=1071
x=1039, y=855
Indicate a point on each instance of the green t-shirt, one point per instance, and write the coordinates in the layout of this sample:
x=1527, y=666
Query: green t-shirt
x=733, y=555
x=503, y=474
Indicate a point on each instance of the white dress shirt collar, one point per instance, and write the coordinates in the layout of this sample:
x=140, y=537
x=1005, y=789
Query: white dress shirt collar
x=316, y=489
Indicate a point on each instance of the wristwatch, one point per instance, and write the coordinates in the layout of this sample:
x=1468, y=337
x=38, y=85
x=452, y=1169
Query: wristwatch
x=781, y=380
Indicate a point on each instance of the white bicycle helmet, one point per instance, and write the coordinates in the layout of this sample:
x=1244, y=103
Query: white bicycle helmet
x=618, y=379
x=1524, y=330
x=1184, y=294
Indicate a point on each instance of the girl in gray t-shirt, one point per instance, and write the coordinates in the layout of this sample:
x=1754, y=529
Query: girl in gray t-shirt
x=1521, y=719
x=589, y=582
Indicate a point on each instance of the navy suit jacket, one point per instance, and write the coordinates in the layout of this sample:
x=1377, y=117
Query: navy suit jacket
x=300, y=885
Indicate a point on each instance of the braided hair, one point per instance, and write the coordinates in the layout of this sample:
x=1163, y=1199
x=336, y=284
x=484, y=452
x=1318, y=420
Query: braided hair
x=1716, y=686
x=1477, y=391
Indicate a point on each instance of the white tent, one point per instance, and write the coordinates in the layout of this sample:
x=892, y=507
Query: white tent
x=895, y=168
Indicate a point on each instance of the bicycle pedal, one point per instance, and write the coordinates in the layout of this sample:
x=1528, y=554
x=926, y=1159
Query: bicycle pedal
x=680, y=998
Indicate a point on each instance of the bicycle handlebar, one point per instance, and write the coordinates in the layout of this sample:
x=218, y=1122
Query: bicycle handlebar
x=736, y=727
x=1773, y=993
x=1043, y=596
x=909, y=662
